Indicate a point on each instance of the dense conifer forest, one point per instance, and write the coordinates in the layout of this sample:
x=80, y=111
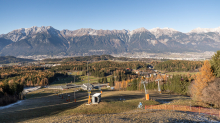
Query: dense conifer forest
x=178, y=65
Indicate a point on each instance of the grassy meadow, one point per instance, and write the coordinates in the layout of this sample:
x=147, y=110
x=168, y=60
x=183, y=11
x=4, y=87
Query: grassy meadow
x=80, y=79
x=181, y=73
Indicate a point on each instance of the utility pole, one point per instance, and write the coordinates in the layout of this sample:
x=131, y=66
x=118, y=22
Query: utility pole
x=88, y=84
x=158, y=85
x=100, y=88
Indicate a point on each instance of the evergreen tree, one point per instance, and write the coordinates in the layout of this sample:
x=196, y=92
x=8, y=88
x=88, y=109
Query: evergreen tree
x=215, y=64
x=105, y=80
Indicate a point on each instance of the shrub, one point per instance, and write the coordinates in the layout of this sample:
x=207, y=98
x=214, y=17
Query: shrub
x=7, y=99
x=211, y=93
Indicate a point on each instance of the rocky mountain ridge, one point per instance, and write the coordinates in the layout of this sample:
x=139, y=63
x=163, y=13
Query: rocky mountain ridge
x=205, y=30
x=47, y=40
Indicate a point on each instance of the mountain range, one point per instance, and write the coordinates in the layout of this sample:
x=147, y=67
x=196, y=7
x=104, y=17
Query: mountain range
x=47, y=40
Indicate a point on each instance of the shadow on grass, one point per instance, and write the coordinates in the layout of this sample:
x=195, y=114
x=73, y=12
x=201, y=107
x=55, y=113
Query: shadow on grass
x=166, y=98
x=38, y=95
x=47, y=109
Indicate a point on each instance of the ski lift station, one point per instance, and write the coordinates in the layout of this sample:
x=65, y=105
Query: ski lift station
x=87, y=86
x=96, y=98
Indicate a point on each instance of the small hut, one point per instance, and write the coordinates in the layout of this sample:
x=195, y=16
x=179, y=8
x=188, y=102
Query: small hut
x=96, y=98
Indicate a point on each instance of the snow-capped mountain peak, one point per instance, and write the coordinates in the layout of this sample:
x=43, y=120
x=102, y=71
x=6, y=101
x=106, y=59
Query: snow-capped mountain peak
x=205, y=30
x=164, y=31
x=142, y=29
x=21, y=33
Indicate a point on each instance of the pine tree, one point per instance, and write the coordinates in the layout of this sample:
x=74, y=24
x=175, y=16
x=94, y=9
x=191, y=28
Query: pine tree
x=215, y=62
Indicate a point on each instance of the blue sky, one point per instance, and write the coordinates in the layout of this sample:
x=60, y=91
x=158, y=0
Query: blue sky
x=182, y=15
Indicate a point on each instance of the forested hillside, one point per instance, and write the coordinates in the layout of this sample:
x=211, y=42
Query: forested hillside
x=12, y=59
x=178, y=65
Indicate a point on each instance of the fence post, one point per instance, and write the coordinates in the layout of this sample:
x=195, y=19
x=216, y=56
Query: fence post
x=199, y=110
x=190, y=106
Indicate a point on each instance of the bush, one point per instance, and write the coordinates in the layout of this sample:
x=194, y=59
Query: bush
x=211, y=93
x=7, y=99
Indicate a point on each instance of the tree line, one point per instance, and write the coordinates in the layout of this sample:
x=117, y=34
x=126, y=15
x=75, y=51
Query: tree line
x=178, y=65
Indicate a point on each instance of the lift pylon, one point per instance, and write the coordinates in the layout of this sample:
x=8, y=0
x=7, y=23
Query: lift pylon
x=146, y=91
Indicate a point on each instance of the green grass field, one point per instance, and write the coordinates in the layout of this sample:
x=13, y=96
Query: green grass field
x=79, y=79
x=44, y=92
x=181, y=73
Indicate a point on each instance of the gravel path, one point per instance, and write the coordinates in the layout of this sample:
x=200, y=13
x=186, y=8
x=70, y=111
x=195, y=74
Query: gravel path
x=135, y=116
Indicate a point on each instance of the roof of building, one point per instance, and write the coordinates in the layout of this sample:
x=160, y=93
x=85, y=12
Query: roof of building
x=96, y=94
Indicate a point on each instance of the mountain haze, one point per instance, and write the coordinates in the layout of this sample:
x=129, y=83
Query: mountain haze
x=46, y=40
